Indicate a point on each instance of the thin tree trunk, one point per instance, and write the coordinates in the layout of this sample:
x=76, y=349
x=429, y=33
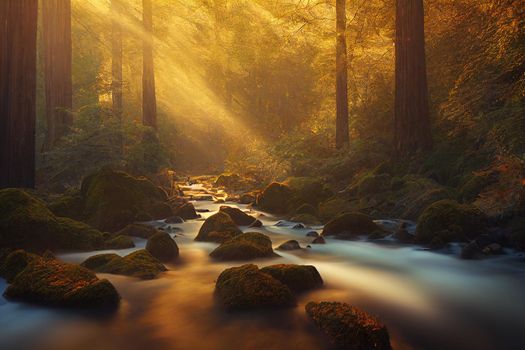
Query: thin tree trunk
x=116, y=61
x=412, y=121
x=56, y=18
x=342, y=137
x=18, y=25
x=149, y=103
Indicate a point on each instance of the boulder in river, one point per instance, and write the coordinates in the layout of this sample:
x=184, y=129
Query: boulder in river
x=113, y=199
x=257, y=223
x=348, y=327
x=247, y=287
x=350, y=225
x=120, y=242
x=247, y=198
x=174, y=220
x=138, y=230
x=186, y=211
x=26, y=222
x=298, y=278
x=140, y=264
x=15, y=262
x=450, y=221
x=162, y=247
x=290, y=245
x=51, y=282
x=247, y=246
x=319, y=240
x=274, y=198
x=238, y=216
x=312, y=234
x=220, y=223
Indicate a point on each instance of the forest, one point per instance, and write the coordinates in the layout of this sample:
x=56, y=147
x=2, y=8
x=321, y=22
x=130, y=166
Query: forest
x=262, y=174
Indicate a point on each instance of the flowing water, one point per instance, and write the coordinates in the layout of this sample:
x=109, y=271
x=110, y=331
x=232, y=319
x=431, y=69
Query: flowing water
x=427, y=300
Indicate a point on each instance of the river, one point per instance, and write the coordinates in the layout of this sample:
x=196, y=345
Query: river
x=428, y=300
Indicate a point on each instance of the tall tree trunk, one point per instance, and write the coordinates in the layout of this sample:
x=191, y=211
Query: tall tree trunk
x=116, y=59
x=149, y=103
x=18, y=25
x=342, y=137
x=56, y=18
x=412, y=121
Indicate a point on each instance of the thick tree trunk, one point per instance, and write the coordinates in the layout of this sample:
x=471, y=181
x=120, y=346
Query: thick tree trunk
x=149, y=103
x=18, y=24
x=56, y=18
x=342, y=137
x=116, y=61
x=412, y=121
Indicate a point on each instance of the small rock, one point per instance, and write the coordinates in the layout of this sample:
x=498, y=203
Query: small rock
x=493, y=249
x=298, y=227
x=257, y=223
x=471, y=251
x=312, y=234
x=174, y=220
x=202, y=210
x=319, y=240
x=290, y=245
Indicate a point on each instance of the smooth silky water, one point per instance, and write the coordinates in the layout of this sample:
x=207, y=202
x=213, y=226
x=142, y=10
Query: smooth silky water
x=427, y=300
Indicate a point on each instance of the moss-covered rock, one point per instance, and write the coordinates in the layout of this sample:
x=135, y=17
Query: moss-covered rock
x=231, y=181
x=415, y=208
x=238, y=216
x=275, y=198
x=350, y=225
x=348, y=327
x=140, y=264
x=221, y=223
x=54, y=283
x=473, y=185
x=306, y=209
x=298, y=278
x=247, y=198
x=113, y=199
x=450, y=221
x=26, y=222
x=138, y=230
x=186, y=211
x=290, y=245
x=14, y=263
x=306, y=219
x=120, y=242
x=332, y=208
x=247, y=246
x=162, y=247
x=246, y=287
x=69, y=206
x=306, y=190
x=372, y=184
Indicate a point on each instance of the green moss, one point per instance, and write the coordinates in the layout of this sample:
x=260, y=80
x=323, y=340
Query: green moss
x=298, y=278
x=246, y=287
x=450, y=221
x=373, y=184
x=306, y=219
x=120, y=242
x=138, y=230
x=247, y=246
x=14, y=263
x=26, y=222
x=114, y=199
x=348, y=327
x=350, y=225
x=220, y=222
x=473, y=186
x=332, y=208
x=419, y=204
x=238, y=216
x=275, y=198
x=54, y=283
x=69, y=206
x=140, y=264
x=162, y=247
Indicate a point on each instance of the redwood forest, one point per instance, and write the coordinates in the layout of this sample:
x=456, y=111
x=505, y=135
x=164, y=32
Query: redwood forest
x=262, y=174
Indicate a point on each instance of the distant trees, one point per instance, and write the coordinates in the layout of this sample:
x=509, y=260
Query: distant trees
x=412, y=121
x=342, y=137
x=116, y=59
x=56, y=19
x=18, y=26
x=149, y=102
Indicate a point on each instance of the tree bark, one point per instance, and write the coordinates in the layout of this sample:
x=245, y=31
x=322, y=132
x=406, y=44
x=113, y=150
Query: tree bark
x=56, y=18
x=342, y=137
x=412, y=121
x=149, y=103
x=18, y=27
x=116, y=61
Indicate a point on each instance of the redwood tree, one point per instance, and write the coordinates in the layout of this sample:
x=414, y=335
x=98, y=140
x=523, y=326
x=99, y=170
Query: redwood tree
x=18, y=26
x=412, y=122
x=116, y=58
x=342, y=137
x=56, y=19
x=149, y=103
